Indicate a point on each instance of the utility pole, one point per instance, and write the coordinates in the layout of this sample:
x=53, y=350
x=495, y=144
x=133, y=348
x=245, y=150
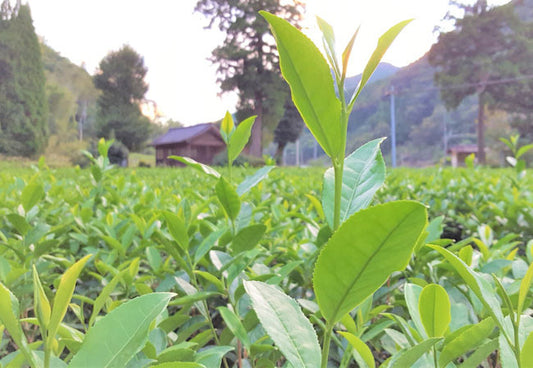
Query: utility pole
x=392, y=93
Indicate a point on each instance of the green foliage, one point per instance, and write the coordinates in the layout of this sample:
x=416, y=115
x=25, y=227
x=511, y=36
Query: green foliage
x=285, y=323
x=121, y=79
x=116, y=337
x=487, y=47
x=356, y=260
x=23, y=104
x=247, y=60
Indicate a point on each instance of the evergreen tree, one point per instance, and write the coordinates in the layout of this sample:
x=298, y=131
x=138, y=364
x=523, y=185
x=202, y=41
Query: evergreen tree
x=489, y=55
x=23, y=103
x=121, y=79
x=248, y=60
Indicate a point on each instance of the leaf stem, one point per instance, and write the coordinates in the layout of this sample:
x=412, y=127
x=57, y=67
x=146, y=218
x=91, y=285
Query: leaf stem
x=516, y=347
x=325, y=347
x=338, y=167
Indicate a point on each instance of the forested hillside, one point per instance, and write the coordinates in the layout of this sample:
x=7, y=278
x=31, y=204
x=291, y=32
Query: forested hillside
x=72, y=104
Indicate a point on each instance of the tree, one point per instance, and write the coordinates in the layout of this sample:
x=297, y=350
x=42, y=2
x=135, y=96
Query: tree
x=121, y=79
x=488, y=54
x=248, y=60
x=23, y=103
x=289, y=128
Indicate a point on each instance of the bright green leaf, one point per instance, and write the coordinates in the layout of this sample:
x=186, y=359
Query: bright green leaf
x=9, y=317
x=408, y=357
x=383, y=44
x=247, y=238
x=103, y=296
x=228, y=197
x=227, y=126
x=251, y=181
x=283, y=320
x=311, y=83
x=118, y=336
x=412, y=296
x=346, y=53
x=329, y=44
x=178, y=229
x=363, y=350
x=42, y=307
x=435, y=310
x=525, y=285
x=469, y=339
x=522, y=150
x=64, y=295
x=240, y=137
x=235, y=325
x=363, y=175
x=475, y=359
x=478, y=285
x=526, y=353
x=197, y=165
x=212, y=356
x=31, y=194
x=357, y=260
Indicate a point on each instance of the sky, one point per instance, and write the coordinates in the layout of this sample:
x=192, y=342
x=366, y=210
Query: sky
x=175, y=44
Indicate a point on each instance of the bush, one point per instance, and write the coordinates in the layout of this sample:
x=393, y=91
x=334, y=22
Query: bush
x=118, y=154
x=221, y=159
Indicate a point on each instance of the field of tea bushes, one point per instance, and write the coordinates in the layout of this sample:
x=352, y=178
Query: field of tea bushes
x=165, y=233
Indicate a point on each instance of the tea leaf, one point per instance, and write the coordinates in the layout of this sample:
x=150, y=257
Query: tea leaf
x=64, y=295
x=178, y=229
x=9, y=317
x=248, y=238
x=526, y=354
x=525, y=285
x=235, y=325
x=479, y=286
x=228, y=197
x=361, y=348
x=42, y=307
x=227, y=126
x=475, y=359
x=197, y=165
x=412, y=296
x=311, y=84
x=285, y=323
x=252, y=180
x=239, y=138
x=435, y=310
x=469, y=339
x=31, y=194
x=363, y=175
x=357, y=260
x=346, y=53
x=408, y=357
x=212, y=356
x=329, y=44
x=383, y=44
x=118, y=336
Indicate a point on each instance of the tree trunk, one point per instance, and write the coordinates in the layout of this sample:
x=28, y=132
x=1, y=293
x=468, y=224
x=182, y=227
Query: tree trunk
x=279, y=154
x=256, y=144
x=481, y=130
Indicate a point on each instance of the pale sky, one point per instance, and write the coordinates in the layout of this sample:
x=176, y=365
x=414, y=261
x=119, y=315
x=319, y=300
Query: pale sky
x=175, y=45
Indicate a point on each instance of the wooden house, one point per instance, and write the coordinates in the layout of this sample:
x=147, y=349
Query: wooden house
x=200, y=142
x=460, y=152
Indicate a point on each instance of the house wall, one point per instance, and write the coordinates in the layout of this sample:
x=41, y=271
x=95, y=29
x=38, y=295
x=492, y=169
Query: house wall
x=202, y=149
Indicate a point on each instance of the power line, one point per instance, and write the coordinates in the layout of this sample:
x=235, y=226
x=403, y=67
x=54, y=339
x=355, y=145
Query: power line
x=466, y=85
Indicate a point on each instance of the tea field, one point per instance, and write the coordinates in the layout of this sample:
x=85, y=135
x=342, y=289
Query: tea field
x=169, y=268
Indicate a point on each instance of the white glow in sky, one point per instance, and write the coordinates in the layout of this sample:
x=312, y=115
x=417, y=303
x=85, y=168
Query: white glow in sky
x=175, y=46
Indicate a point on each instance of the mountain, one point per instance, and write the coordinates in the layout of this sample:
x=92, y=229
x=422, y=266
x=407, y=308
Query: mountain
x=384, y=70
